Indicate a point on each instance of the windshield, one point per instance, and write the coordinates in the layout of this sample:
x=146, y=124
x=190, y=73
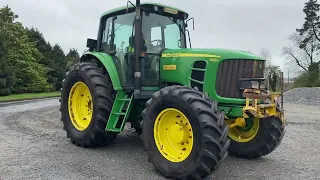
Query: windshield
x=162, y=32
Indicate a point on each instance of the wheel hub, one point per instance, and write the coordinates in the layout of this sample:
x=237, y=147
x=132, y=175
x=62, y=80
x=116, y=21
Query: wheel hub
x=240, y=122
x=244, y=130
x=176, y=133
x=80, y=106
x=173, y=135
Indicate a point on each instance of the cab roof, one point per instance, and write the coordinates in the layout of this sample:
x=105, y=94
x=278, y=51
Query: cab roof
x=115, y=10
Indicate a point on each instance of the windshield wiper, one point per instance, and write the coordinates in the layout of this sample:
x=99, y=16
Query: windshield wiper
x=118, y=28
x=181, y=30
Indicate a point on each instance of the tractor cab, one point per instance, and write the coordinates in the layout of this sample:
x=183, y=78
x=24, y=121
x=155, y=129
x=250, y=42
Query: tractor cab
x=136, y=36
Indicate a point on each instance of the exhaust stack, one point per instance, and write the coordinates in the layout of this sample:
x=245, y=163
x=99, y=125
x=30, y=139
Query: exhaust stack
x=137, y=63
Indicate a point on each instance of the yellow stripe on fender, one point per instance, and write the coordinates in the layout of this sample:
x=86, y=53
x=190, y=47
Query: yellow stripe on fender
x=189, y=55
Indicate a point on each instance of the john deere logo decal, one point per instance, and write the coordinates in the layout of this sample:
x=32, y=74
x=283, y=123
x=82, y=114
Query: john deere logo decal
x=170, y=67
x=171, y=11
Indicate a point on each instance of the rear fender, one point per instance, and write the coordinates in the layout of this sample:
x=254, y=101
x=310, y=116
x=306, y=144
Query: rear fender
x=108, y=63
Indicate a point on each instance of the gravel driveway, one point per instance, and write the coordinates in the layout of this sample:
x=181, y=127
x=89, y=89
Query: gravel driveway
x=34, y=146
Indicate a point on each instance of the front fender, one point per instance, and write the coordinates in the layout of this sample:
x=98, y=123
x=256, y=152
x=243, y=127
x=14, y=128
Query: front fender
x=108, y=63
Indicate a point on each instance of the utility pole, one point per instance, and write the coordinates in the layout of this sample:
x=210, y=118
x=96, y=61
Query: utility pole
x=288, y=76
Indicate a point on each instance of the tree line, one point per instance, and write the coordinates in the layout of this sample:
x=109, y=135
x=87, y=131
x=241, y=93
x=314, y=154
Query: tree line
x=303, y=53
x=29, y=63
x=271, y=72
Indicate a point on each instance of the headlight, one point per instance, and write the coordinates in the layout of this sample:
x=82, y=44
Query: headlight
x=258, y=85
x=253, y=85
x=263, y=85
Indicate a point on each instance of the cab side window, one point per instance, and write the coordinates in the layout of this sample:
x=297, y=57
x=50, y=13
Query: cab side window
x=123, y=28
x=106, y=36
x=117, y=31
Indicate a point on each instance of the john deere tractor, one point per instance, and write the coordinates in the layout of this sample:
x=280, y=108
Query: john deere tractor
x=191, y=106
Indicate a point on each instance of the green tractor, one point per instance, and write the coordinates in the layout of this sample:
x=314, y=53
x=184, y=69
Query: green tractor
x=191, y=106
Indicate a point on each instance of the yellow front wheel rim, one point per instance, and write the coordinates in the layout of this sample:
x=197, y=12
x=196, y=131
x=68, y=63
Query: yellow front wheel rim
x=244, y=135
x=80, y=106
x=173, y=135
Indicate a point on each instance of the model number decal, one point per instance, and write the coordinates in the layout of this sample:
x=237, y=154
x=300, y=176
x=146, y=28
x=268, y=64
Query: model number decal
x=214, y=60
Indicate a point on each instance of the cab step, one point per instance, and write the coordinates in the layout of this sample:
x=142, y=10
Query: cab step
x=120, y=112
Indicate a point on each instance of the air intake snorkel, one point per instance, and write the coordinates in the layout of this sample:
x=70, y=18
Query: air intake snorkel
x=137, y=63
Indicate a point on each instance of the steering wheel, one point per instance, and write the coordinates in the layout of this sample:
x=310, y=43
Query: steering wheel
x=159, y=41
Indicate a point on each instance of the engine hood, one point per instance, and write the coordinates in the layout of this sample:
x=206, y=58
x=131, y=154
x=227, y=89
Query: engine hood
x=217, y=53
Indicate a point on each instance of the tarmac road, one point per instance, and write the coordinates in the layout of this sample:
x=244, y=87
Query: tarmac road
x=33, y=145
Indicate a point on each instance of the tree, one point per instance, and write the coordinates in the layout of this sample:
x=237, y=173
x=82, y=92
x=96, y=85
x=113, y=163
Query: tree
x=313, y=75
x=271, y=71
x=300, y=54
x=309, y=42
x=47, y=55
x=72, y=57
x=303, y=58
x=266, y=55
x=274, y=78
x=58, y=69
x=310, y=29
x=6, y=75
x=53, y=58
x=22, y=54
x=42, y=45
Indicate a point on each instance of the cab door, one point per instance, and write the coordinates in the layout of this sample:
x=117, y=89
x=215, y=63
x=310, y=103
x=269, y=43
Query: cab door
x=117, y=34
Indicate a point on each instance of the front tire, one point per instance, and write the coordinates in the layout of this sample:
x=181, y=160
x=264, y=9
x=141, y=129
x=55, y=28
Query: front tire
x=268, y=136
x=183, y=136
x=86, y=100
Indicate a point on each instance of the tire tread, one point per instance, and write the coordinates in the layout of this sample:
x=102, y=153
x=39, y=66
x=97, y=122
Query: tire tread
x=104, y=94
x=264, y=143
x=211, y=123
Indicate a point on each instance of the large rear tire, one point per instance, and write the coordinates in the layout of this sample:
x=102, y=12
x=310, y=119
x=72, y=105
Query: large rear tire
x=87, y=97
x=261, y=139
x=184, y=134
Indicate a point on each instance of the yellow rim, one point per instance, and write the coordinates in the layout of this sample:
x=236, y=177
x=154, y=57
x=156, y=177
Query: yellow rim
x=173, y=135
x=80, y=106
x=244, y=134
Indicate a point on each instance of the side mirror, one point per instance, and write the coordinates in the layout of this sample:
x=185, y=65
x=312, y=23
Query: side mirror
x=131, y=4
x=186, y=24
x=91, y=44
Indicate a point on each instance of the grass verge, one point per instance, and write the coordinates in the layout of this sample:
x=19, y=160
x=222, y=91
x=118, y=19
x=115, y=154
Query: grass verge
x=26, y=96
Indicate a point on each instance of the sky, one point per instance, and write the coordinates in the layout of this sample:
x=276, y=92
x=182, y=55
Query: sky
x=232, y=24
